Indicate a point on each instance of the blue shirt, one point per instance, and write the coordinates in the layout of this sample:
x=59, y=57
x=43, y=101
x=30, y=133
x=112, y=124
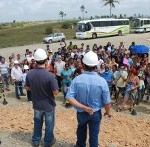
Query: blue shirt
x=89, y=89
x=108, y=76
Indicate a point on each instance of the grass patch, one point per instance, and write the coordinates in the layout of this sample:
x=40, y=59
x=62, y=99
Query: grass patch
x=30, y=33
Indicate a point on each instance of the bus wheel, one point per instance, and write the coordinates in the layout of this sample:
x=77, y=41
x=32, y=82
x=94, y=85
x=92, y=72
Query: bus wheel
x=119, y=33
x=94, y=35
x=145, y=30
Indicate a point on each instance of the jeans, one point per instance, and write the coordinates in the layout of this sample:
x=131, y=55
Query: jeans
x=18, y=85
x=93, y=121
x=65, y=89
x=5, y=79
x=59, y=79
x=29, y=96
x=49, y=126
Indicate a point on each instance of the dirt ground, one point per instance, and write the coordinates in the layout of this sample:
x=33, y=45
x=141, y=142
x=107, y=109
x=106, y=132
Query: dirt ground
x=123, y=129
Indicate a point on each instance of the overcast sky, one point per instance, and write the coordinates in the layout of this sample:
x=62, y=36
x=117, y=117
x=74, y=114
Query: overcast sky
x=31, y=10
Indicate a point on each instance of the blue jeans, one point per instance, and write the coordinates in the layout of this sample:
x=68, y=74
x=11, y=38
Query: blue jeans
x=49, y=126
x=93, y=121
x=65, y=89
x=5, y=79
x=18, y=86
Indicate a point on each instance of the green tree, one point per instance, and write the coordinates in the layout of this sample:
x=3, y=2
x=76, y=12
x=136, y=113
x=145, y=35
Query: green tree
x=111, y=4
x=82, y=8
x=62, y=14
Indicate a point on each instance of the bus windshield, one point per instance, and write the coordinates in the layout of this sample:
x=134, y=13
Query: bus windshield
x=80, y=27
x=135, y=23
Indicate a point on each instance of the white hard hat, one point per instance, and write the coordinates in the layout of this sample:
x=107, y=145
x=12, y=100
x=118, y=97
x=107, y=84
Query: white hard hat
x=16, y=62
x=90, y=59
x=40, y=55
x=26, y=67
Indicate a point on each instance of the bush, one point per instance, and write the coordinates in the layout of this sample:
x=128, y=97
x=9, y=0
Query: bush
x=65, y=25
x=49, y=30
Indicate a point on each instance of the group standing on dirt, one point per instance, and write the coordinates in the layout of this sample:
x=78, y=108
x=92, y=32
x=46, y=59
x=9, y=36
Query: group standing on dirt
x=88, y=76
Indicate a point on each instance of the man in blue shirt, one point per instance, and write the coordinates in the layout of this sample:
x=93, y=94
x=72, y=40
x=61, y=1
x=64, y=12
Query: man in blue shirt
x=89, y=93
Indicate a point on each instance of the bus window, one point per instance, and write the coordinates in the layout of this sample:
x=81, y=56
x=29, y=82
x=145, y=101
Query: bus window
x=95, y=23
x=87, y=27
x=142, y=23
x=103, y=23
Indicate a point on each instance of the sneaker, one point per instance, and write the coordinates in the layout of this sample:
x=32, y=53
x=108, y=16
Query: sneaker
x=22, y=94
x=133, y=112
x=35, y=144
x=54, y=141
x=18, y=97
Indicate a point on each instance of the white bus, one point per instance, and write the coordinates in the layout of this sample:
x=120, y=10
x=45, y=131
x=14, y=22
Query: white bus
x=140, y=25
x=101, y=27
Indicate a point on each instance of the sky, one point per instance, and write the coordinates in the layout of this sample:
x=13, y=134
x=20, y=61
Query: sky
x=35, y=10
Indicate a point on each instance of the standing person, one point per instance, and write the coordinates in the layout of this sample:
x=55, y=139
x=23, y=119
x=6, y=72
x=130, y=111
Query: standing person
x=109, y=77
x=4, y=70
x=58, y=67
x=43, y=86
x=66, y=74
x=89, y=92
x=16, y=75
x=26, y=69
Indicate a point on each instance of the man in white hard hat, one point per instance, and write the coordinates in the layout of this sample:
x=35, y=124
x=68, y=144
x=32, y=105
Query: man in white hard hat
x=43, y=86
x=89, y=93
x=16, y=75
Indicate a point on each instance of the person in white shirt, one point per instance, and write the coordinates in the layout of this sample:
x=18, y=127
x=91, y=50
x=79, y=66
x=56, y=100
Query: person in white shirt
x=30, y=57
x=16, y=75
x=4, y=69
x=26, y=69
x=58, y=67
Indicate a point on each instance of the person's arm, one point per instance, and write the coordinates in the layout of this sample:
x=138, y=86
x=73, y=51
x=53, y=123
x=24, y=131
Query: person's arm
x=27, y=84
x=75, y=103
x=106, y=98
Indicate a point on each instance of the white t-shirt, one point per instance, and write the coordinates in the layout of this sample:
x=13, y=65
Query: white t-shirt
x=29, y=58
x=121, y=82
x=4, y=68
x=59, y=66
x=16, y=74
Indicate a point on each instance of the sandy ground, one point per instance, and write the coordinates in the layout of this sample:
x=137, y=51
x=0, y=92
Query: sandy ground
x=123, y=129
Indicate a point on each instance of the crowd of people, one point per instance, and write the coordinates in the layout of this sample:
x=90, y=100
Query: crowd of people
x=119, y=66
x=81, y=73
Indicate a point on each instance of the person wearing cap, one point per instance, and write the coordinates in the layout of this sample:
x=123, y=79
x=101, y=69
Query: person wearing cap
x=89, y=93
x=25, y=70
x=16, y=75
x=44, y=87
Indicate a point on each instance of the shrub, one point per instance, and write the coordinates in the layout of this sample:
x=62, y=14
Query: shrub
x=65, y=25
x=49, y=30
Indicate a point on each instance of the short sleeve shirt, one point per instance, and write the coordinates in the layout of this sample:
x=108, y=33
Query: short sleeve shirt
x=89, y=89
x=42, y=84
